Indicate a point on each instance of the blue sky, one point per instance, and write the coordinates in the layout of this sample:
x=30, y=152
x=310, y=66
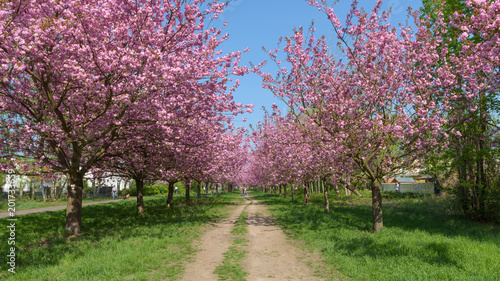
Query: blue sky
x=258, y=23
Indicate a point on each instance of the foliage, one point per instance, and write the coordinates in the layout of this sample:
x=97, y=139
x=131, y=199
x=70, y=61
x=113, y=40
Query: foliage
x=469, y=167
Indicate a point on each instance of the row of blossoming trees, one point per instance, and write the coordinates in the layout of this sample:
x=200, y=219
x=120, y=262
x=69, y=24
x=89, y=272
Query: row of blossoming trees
x=133, y=87
x=385, y=104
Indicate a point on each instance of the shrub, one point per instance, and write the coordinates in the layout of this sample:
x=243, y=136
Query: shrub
x=132, y=191
x=155, y=189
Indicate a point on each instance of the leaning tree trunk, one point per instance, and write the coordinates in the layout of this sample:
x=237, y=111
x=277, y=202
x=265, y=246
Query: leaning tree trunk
x=139, y=183
x=378, y=223
x=188, y=190
x=354, y=190
x=325, y=195
x=74, y=206
x=170, y=197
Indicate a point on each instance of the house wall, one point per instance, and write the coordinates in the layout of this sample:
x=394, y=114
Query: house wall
x=427, y=187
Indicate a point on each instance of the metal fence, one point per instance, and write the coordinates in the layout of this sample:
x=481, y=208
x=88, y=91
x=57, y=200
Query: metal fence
x=421, y=187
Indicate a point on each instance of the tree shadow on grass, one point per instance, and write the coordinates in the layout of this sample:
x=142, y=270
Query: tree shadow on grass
x=409, y=216
x=41, y=240
x=430, y=252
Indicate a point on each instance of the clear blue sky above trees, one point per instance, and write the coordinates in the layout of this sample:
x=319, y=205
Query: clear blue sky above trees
x=258, y=23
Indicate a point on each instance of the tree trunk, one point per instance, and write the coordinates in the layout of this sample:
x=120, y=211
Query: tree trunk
x=481, y=182
x=118, y=186
x=198, y=190
x=32, y=190
x=21, y=183
x=43, y=191
x=139, y=184
x=377, y=205
x=96, y=187
x=74, y=206
x=188, y=190
x=347, y=191
x=284, y=191
x=353, y=189
x=293, y=190
x=306, y=194
x=53, y=191
x=462, y=177
x=325, y=195
x=170, y=197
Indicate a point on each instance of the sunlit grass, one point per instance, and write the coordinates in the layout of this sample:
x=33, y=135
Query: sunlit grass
x=420, y=241
x=115, y=244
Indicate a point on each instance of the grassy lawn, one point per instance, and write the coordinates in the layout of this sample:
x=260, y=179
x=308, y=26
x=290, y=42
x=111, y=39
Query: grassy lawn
x=115, y=244
x=420, y=240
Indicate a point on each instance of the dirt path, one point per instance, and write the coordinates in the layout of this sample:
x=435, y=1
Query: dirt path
x=5, y=214
x=213, y=245
x=270, y=255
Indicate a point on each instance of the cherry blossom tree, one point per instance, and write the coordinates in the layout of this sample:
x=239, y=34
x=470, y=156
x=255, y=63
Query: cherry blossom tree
x=75, y=75
x=386, y=105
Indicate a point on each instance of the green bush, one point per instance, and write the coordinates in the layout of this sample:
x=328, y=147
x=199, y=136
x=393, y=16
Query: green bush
x=87, y=191
x=155, y=189
x=132, y=191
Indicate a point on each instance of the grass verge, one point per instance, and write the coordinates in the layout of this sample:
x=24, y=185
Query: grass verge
x=231, y=268
x=420, y=241
x=115, y=244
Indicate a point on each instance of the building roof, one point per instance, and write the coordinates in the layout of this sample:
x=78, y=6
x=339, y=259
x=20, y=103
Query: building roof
x=405, y=180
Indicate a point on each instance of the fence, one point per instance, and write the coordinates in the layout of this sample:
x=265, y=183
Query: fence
x=421, y=187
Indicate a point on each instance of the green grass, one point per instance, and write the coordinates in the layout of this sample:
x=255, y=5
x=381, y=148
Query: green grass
x=240, y=226
x=115, y=244
x=420, y=240
x=231, y=268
